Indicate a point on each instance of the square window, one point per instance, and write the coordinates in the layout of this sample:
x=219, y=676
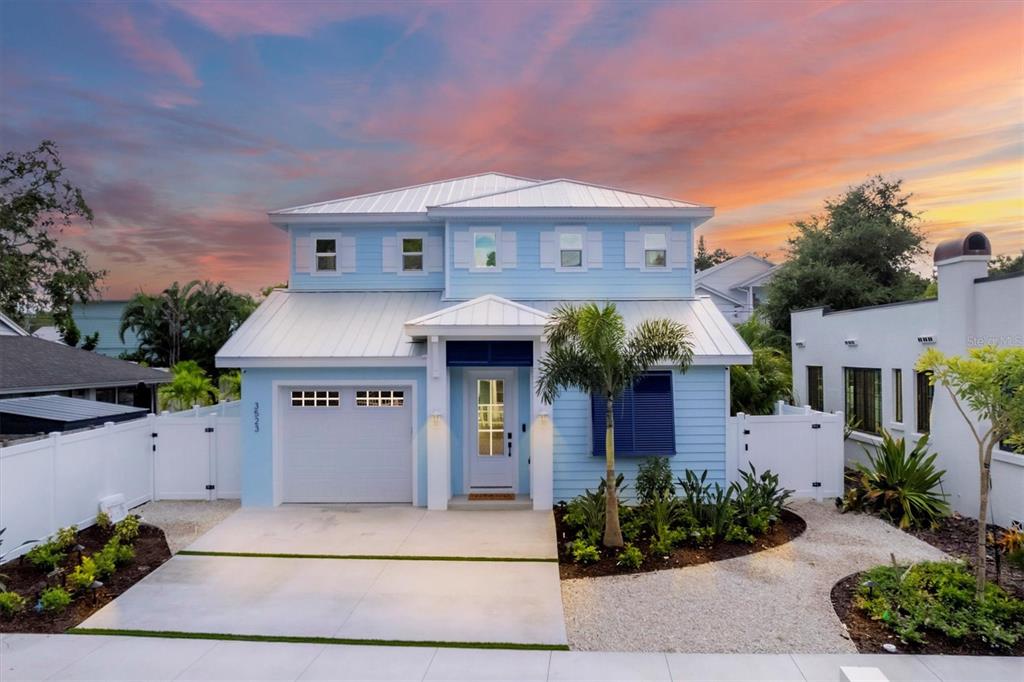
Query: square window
x=570, y=249
x=655, y=250
x=485, y=250
x=412, y=254
x=326, y=255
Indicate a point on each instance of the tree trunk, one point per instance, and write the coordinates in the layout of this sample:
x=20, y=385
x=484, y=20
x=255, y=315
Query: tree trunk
x=985, y=457
x=612, y=531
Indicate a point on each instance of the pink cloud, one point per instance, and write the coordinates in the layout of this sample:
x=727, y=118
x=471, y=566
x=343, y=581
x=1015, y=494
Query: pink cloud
x=149, y=50
x=231, y=19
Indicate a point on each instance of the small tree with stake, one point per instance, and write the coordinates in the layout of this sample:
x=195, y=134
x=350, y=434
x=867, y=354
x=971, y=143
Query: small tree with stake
x=591, y=350
x=990, y=383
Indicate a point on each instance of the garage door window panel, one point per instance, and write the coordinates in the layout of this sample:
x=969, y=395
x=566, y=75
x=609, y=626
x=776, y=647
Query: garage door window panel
x=316, y=399
x=375, y=398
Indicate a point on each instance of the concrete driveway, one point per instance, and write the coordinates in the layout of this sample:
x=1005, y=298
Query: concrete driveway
x=358, y=573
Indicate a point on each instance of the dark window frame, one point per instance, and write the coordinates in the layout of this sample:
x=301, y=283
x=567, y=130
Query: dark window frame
x=816, y=387
x=925, y=395
x=897, y=395
x=863, y=398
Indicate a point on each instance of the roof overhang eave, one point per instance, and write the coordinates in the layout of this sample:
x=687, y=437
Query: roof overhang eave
x=286, y=220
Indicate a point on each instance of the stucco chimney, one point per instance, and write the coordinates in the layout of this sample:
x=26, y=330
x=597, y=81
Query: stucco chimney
x=958, y=262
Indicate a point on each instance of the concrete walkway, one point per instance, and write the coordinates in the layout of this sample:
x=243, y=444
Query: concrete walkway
x=479, y=597
x=74, y=657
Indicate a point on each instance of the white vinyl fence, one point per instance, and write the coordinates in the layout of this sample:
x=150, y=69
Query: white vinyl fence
x=802, y=446
x=58, y=481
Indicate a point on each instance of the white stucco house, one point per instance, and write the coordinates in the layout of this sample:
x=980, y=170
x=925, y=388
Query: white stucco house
x=737, y=285
x=862, y=362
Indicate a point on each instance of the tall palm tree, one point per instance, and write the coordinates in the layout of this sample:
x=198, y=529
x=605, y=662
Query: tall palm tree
x=190, y=386
x=591, y=350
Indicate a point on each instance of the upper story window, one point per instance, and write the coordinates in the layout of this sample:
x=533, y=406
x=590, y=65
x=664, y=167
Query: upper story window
x=485, y=250
x=570, y=250
x=655, y=250
x=326, y=255
x=412, y=254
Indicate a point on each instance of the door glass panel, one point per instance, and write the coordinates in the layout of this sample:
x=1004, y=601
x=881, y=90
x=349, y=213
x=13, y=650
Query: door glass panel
x=490, y=422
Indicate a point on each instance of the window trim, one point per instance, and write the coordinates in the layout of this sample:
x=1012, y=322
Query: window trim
x=879, y=413
x=496, y=232
x=314, y=268
x=819, y=390
x=401, y=237
x=664, y=232
x=897, y=396
x=569, y=230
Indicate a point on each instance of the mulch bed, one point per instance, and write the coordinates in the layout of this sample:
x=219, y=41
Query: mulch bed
x=869, y=635
x=28, y=581
x=789, y=528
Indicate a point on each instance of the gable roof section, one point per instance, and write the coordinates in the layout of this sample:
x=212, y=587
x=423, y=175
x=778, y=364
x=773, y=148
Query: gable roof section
x=9, y=327
x=565, y=193
x=31, y=364
x=730, y=273
x=716, y=292
x=757, y=279
x=497, y=314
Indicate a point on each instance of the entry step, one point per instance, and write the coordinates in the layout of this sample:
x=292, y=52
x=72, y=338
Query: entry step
x=463, y=503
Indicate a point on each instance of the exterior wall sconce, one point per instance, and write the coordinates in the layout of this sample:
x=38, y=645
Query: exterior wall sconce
x=850, y=342
x=436, y=418
x=544, y=416
x=799, y=344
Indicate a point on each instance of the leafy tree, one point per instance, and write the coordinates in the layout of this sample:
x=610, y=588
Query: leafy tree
x=755, y=388
x=591, y=350
x=189, y=322
x=190, y=386
x=1006, y=264
x=68, y=330
x=704, y=260
x=230, y=385
x=91, y=341
x=989, y=382
x=36, y=204
x=857, y=253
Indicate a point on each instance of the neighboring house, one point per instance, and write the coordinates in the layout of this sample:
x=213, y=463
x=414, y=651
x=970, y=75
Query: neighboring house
x=48, y=333
x=49, y=413
x=30, y=366
x=736, y=285
x=401, y=364
x=104, y=317
x=862, y=362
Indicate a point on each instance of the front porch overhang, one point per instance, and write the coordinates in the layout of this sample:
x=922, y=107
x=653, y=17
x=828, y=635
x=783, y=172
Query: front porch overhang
x=485, y=317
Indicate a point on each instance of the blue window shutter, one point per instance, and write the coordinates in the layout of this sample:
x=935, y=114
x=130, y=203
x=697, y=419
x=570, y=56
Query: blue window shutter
x=489, y=353
x=644, y=418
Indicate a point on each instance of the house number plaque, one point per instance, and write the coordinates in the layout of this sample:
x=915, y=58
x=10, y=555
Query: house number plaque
x=256, y=417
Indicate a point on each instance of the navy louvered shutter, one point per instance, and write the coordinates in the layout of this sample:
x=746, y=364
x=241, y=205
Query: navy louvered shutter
x=644, y=418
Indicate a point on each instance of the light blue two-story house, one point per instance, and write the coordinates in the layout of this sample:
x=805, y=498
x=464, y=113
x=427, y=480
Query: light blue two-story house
x=400, y=364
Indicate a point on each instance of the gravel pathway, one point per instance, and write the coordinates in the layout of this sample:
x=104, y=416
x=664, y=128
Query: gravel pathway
x=774, y=601
x=182, y=521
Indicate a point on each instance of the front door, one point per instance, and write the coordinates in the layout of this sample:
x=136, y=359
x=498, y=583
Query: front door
x=491, y=451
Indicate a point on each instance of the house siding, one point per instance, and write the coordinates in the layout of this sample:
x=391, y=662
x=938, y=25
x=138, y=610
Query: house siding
x=104, y=318
x=699, y=398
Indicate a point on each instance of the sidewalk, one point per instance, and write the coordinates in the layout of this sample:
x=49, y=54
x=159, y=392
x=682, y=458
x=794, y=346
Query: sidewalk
x=81, y=657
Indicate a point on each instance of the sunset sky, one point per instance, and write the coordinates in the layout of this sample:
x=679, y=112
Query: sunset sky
x=185, y=122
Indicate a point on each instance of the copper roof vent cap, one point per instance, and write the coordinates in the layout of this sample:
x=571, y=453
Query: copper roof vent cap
x=974, y=244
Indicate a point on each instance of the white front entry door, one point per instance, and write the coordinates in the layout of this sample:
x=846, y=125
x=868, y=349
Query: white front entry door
x=491, y=439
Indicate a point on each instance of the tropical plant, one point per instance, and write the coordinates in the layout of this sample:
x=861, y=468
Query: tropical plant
x=229, y=385
x=629, y=557
x=990, y=383
x=83, y=576
x=46, y=555
x=66, y=538
x=759, y=500
x=591, y=350
x=54, y=600
x=939, y=597
x=11, y=603
x=190, y=386
x=898, y=485
x=654, y=480
x=709, y=508
x=127, y=529
x=103, y=520
x=584, y=552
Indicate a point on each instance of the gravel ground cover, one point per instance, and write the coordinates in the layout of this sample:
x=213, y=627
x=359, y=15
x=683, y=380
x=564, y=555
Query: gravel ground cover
x=182, y=521
x=775, y=601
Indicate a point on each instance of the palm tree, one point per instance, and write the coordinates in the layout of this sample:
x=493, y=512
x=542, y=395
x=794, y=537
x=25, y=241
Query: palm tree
x=190, y=386
x=591, y=350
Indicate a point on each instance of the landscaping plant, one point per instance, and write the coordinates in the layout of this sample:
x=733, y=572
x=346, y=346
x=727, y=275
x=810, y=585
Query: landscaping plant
x=11, y=603
x=46, y=556
x=939, y=597
x=591, y=350
x=103, y=520
x=898, y=485
x=84, y=575
x=629, y=557
x=990, y=383
x=584, y=552
x=127, y=529
x=759, y=500
x=54, y=599
x=654, y=480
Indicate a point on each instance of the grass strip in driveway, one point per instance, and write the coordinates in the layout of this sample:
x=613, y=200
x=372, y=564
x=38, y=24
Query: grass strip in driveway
x=294, y=639
x=366, y=557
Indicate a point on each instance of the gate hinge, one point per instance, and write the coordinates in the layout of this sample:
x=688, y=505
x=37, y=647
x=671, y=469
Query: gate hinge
x=816, y=484
x=208, y=429
x=210, y=487
x=815, y=426
x=154, y=435
x=746, y=432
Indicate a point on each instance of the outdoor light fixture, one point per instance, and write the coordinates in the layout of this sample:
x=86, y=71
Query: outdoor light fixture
x=436, y=418
x=850, y=342
x=800, y=343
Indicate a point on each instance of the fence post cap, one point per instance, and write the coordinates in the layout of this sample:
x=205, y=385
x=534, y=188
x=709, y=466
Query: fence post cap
x=53, y=434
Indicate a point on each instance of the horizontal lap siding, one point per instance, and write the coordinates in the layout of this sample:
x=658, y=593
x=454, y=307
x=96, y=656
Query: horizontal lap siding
x=700, y=413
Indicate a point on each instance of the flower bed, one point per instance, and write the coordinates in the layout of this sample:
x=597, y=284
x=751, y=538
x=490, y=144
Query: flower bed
x=90, y=568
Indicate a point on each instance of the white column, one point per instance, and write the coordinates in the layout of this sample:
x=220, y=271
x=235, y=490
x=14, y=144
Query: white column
x=438, y=452
x=542, y=438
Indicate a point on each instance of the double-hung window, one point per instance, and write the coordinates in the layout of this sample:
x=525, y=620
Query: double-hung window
x=864, y=398
x=655, y=250
x=326, y=256
x=815, y=388
x=643, y=418
x=897, y=396
x=485, y=250
x=570, y=250
x=412, y=254
x=925, y=394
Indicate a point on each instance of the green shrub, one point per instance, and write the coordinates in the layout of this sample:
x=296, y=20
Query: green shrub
x=585, y=513
x=46, y=556
x=127, y=529
x=11, y=603
x=654, y=480
x=738, y=533
x=66, y=538
x=83, y=576
x=584, y=552
x=54, y=599
x=633, y=523
x=939, y=597
x=899, y=486
x=103, y=520
x=105, y=561
x=630, y=557
x=759, y=500
x=122, y=553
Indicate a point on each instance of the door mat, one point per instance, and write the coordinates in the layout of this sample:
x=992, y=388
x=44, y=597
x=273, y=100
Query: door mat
x=491, y=497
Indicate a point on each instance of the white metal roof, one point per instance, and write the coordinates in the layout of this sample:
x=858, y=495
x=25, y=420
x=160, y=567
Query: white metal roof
x=492, y=314
x=414, y=199
x=565, y=193
x=62, y=408
x=318, y=328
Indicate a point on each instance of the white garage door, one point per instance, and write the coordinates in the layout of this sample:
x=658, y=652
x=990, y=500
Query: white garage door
x=347, y=444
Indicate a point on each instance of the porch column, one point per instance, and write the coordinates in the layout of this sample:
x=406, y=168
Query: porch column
x=542, y=438
x=438, y=459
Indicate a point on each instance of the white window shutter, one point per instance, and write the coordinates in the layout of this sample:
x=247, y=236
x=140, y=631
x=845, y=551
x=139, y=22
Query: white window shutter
x=507, y=251
x=463, y=253
x=634, y=250
x=548, y=251
x=434, y=258
x=595, y=249
x=389, y=254
x=348, y=254
x=303, y=254
x=678, y=248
